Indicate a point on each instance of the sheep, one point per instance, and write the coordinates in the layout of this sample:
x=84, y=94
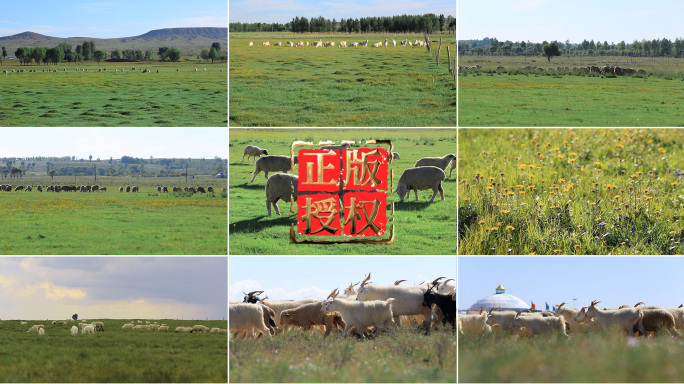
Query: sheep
x=339, y=147
x=395, y=156
x=128, y=188
x=474, y=324
x=88, y=330
x=439, y=162
x=453, y=166
x=253, y=151
x=121, y=189
x=127, y=326
x=376, y=45
x=624, y=319
x=278, y=44
x=272, y=163
x=266, y=43
x=153, y=327
x=99, y=326
x=41, y=332
x=74, y=330
x=308, y=315
x=280, y=186
x=246, y=317
x=570, y=316
x=251, y=43
x=678, y=314
x=342, y=44
x=209, y=190
x=141, y=326
x=165, y=190
x=35, y=328
x=385, y=43
x=164, y=327
x=289, y=44
x=421, y=178
x=536, y=325
x=361, y=314
x=444, y=303
x=23, y=323
x=409, y=300
x=655, y=319
x=199, y=328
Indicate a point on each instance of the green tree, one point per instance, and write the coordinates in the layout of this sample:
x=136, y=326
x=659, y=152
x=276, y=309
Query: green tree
x=52, y=173
x=551, y=50
x=99, y=55
x=4, y=52
x=5, y=172
x=115, y=54
x=174, y=54
x=54, y=55
x=163, y=53
x=216, y=45
x=86, y=51
x=204, y=54
x=149, y=54
x=38, y=54
x=213, y=54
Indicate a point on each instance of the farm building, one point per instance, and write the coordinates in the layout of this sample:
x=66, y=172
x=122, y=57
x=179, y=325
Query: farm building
x=501, y=300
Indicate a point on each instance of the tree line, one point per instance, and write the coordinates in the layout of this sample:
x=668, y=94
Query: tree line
x=644, y=48
x=390, y=24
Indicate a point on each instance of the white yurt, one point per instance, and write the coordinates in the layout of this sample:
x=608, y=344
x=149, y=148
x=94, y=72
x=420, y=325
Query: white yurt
x=500, y=299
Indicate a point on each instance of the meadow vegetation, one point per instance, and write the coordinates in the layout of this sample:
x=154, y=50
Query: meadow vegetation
x=404, y=355
x=115, y=355
x=420, y=227
x=114, y=222
x=365, y=86
x=513, y=97
x=570, y=191
x=115, y=98
x=598, y=356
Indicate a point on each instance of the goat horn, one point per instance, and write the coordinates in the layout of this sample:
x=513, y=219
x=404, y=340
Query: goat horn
x=264, y=298
x=638, y=304
x=448, y=280
x=436, y=281
x=562, y=304
x=398, y=282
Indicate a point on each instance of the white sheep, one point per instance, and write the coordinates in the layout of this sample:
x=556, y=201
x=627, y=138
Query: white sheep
x=272, y=163
x=570, y=316
x=253, y=151
x=421, y=178
x=127, y=326
x=247, y=317
x=376, y=45
x=473, y=324
x=278, y=306
x=361, y=314
x=251, y=43
x=409, y=299
x=537, y=325
x=88, y=330
x=41, y=332
x=23, y=323
x=74, y=330
x=439, y=162
x=277, y=44
x=266, y=43
x=280, y=186
x=164, y=327
x=35, y=328
x=445, y=288
x=153, y=327
x=625, y=319
x=504, y=321
x=394, y=43
x=342, y=44
x=199, y=328
x=453, y=166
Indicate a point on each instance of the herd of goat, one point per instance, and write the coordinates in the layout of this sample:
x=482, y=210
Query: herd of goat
x=96, y=188
x=634, y=321
x=362, y=312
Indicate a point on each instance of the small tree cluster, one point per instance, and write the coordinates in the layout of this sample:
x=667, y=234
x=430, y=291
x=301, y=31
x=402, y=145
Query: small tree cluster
x=211, y=53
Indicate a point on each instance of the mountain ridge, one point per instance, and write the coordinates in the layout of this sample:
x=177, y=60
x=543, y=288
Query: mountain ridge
x=189, y=40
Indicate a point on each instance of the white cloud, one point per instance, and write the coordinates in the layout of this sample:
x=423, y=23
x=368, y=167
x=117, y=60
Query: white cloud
x=51, y=292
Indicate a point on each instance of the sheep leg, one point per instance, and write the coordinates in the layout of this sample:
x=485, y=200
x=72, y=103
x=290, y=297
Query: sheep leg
x=256, y=172
x=434, y=194
x=416, y=192
x=441, y=191
x=275, y=206
x=268, y=207
x=243, y=157
x=266, y=174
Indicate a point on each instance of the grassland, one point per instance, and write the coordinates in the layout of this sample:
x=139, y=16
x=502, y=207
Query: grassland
x=406, y=355
x=115, y=355
x=565, y=191
x=111, y=222
x=386, y=87
x=510, y=97
x=583, y=358
x=420, y=227
x=123, y=98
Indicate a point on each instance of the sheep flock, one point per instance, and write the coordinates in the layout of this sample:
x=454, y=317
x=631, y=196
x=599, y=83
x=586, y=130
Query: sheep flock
x=632, y=321
x=83, y=327
x=362, y=309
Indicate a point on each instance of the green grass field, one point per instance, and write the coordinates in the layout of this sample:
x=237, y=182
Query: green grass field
x=115, y=355
x=406, y=355
x=420, y=227
x=583, y=358
x=123, y=98
x=510, y=97
x=112, y=222
x=287, y=86
x=565, y=191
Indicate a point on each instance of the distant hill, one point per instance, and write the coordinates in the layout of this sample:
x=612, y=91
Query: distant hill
x=190, y=41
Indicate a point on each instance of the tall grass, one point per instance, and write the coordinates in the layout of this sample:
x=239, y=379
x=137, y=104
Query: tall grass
x=420, y=227
x=115, y=355
x=566, y=191
x=584, y=357
x=404, y=355
x=307, y=86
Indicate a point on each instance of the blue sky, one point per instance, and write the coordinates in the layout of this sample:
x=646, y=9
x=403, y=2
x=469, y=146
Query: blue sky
x=300, y=277
x=104, y=143
x=108, y=19
x=539, y=20
x=113, y=287
x=612, y=280
x=283, y=11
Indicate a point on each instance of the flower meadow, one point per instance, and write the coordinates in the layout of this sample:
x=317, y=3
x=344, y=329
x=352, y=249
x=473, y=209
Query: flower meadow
x=570, y=191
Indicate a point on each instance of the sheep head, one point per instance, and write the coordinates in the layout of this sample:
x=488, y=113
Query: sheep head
x=401, y=191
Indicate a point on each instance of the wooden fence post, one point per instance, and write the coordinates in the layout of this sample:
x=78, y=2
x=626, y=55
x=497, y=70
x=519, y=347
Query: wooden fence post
x=448, y=58
x=439, y=50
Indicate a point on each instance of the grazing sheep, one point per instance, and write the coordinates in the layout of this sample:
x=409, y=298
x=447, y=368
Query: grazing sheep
x=394, y=43
x=164, y=327
x=655, y=319
x=126, y=326
x=289, y=44
x=165, y=190
x=251, y=43
x=135, y=189
x=23, y=323
x=376, y=45
x=128, y=188
x=141, y=326
x=444, y=303
x=474, y=324
x=439, y=162
x=342, y=44
x=74, y=330
x=355, y=44
x=278, y=44
x=88, y=330
x=247, y=317
x=272, y=163
x=395, y=156
x=421, y=178
x=41, y=332
x=266, y=43
x=624, y=319
x=537, y=325
x=121, y=189
x=253, y=151
x=280, y=186
x=361, y=314
x=153, y=327
x=340, y=147
x=35, y=328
